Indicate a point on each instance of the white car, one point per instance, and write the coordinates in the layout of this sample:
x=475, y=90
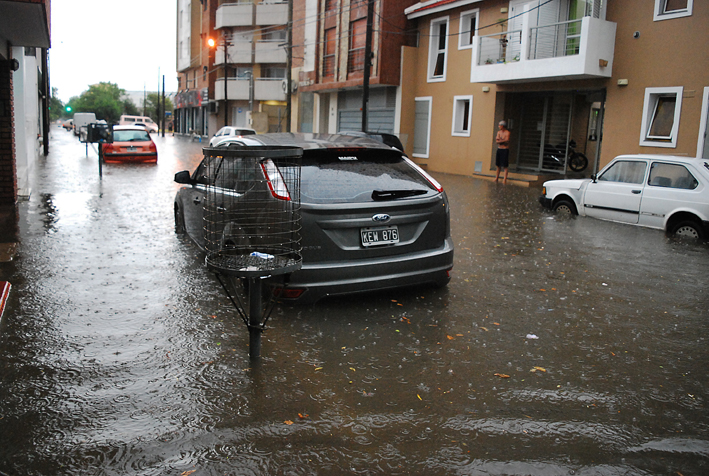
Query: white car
x=664, y=192
x=230, y=131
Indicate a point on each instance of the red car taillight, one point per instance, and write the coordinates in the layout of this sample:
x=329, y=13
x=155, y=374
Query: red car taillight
x=153, y=147
x=275, y=180
x=107, y=148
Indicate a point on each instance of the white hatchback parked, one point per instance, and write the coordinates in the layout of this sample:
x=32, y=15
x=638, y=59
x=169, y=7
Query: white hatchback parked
x=665, y=192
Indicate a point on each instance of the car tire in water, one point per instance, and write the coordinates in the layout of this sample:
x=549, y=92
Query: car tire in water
x=688, y=229
x=179, y=221
x=565, y=207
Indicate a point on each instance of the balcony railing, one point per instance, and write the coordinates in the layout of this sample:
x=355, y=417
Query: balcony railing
x=575, y=49
x=241, y=13
x=500, y=47
x=558, y=39
x=355, y=60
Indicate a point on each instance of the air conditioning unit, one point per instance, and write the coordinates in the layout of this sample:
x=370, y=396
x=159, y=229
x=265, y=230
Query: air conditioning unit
x=213, y=107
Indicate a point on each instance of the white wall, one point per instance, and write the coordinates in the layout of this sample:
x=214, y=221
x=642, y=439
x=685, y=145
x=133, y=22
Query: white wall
x=26, y=117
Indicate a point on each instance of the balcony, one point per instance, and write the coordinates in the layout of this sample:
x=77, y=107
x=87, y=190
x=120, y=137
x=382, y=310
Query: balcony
x=239, y=52
x=242, y=14
x=577, y=49
x=270, y=52
x=265, y=89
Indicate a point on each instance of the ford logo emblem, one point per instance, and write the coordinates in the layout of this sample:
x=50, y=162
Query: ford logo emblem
x=381, y=218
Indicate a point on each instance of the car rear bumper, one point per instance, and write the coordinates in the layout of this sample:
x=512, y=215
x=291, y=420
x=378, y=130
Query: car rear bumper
x=319, y=280
x=130, y=157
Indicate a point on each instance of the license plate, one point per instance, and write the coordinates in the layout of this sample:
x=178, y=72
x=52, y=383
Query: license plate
x=131, y=149
x=381, y=235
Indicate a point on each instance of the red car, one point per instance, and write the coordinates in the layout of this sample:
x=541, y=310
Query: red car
x=130, y=144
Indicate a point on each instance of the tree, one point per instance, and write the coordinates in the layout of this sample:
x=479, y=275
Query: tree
x=103, y=99
x=151, y=106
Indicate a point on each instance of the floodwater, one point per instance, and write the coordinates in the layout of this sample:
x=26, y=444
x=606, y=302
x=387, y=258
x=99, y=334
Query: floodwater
x=561, y=346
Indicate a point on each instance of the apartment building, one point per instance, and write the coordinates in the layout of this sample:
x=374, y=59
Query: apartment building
x=607, y=77
x=232, y=65
x=329, y=45
x=24, y=93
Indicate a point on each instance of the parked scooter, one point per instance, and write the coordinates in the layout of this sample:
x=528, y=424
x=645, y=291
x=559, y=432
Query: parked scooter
x=554, y=157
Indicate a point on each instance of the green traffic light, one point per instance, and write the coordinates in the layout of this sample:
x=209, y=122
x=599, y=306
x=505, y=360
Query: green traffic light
x=68, y=109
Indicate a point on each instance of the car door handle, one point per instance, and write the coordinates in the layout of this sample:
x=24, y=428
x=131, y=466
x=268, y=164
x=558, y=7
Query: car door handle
x=636, y=192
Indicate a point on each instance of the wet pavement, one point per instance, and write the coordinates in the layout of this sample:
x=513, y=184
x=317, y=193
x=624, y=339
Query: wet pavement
x=560, y=346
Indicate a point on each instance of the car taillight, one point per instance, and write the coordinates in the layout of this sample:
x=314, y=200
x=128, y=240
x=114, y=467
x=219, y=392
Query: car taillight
x=288, y=293
x=153, y=147
x=107, y=148
x=275, y=180
x=424, y=174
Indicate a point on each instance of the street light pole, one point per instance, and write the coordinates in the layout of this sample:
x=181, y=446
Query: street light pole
x=226, y=83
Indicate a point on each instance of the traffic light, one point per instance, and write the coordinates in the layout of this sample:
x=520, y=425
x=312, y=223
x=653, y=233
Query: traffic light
x=68, y=109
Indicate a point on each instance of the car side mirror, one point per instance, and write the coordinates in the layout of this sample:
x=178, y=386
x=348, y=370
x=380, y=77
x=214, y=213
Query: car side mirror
x=183, y=177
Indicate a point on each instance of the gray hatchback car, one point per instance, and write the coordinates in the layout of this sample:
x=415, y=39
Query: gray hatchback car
x=371, y=218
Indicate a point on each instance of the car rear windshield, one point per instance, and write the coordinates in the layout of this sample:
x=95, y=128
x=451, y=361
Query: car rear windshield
x=359, y=175
x=130, y=136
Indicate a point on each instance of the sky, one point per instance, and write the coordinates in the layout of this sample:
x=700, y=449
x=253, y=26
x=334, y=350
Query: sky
x=130, y=43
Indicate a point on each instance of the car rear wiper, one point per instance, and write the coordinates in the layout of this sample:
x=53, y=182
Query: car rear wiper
x=394, y=194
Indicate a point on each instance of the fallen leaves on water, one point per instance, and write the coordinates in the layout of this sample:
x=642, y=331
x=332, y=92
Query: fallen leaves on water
x=187, y=473
x=484, y=328
x=302, y=416
x=450, y=337
x=288, y=422
x=502, y=375
x=538, y=369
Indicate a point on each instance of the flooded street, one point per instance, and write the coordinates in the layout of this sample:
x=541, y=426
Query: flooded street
x=561, y=346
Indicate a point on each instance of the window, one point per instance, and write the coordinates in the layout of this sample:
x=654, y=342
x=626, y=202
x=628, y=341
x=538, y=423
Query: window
x=668, y=9
x=422, y=126
x=625, y=171
x=329, y=56
x=661, y=113
x=438, y=47
x=462, y=111
x=672, y=176
x=358, y=37
x=468, y=29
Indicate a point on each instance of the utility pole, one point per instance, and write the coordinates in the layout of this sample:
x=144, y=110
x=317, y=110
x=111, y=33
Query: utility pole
x=226, y=83
x=162, y=126
x=367, y=64
x=289, y=65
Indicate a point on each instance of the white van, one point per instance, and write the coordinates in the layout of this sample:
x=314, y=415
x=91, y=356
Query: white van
x=149, y=124
x=81, y=120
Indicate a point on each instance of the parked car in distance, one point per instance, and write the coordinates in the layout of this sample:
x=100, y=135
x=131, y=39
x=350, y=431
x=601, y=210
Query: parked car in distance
x=230, y=131
x=665, y=192
x=371, y=219
x=145, y=121
x=68, y=124
x=130, y=144
x=391, y=140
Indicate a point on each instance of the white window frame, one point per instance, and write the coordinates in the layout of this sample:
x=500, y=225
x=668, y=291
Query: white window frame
x=428, y=99
x=660, y=14
x=433, y=51
x=458, y=115
x=703, y=125
x=650, y=103
x=462, y=28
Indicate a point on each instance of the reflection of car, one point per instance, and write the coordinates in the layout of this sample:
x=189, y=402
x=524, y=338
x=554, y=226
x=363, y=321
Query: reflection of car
x=130, y=144
x=229, y=131
x=389, y=139
x=371, y=219
x=665, y=192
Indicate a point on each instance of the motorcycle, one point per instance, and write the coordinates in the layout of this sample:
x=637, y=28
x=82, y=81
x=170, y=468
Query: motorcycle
x=554, y=157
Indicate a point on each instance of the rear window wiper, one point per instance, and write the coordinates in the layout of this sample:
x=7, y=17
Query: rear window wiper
x=394, y=194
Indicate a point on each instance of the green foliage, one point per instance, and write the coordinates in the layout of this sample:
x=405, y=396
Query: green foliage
x=152, y=104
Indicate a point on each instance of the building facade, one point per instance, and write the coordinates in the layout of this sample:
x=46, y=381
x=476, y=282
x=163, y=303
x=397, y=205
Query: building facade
x=24, y=86
x=329, y=48
x=232, y=65
x=600, y=77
